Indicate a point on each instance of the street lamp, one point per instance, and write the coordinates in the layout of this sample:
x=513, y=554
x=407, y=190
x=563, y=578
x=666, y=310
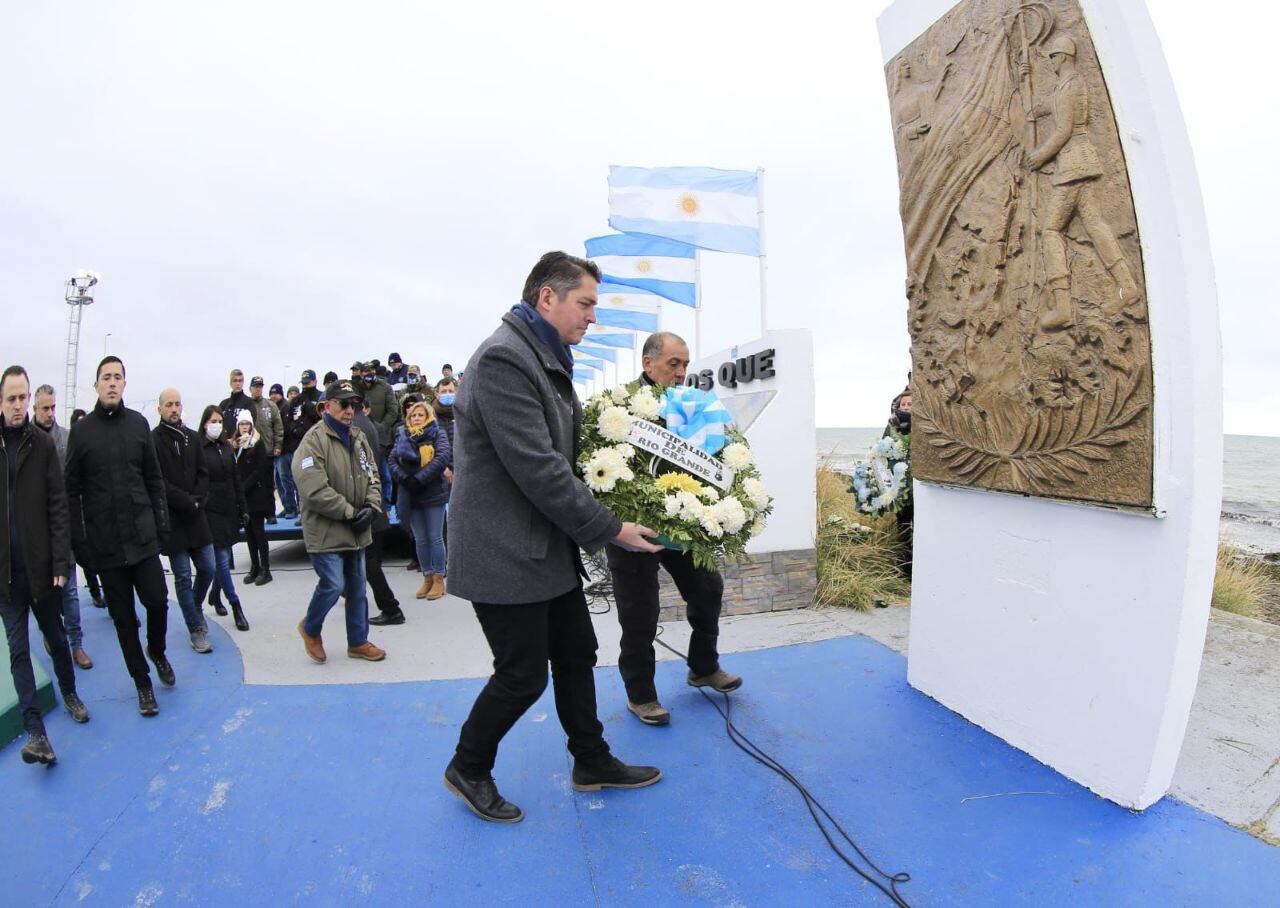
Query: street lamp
x=78, y=294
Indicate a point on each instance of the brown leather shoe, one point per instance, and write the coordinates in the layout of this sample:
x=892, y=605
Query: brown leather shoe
x=81, y=658
x=425, y=590
x=650, y=713
x=437, y=587
x=719, y=680
x=313, y=645
x=366, y=651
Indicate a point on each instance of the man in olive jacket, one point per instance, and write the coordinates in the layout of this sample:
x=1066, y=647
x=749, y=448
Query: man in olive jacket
x=340, y=492
x=34, y=562
x=518, y=515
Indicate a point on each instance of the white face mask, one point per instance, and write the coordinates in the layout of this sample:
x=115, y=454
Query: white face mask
x=213, y=430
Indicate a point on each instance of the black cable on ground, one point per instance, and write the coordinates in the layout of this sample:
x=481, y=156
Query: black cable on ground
x=816, y=809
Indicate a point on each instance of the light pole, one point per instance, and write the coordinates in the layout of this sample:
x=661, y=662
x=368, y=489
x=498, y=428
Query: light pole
x=105, y=338
x=78, y=294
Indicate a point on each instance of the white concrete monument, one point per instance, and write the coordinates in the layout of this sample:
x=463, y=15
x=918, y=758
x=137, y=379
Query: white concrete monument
x=1067, y=369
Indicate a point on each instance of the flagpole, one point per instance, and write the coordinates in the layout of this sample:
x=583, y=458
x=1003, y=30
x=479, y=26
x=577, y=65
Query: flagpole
x=764, y=260
x=697, y=303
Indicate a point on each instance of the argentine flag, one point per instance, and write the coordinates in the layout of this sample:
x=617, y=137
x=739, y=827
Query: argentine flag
x=595, y=364
x=702, y=206
x=665, y=267
x=621, y=306
x=609, y=337
x=601, y=352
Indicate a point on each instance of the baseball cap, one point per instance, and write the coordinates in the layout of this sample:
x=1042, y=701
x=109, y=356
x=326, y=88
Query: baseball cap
x=357, y=365
x=308, y=375
x=256, y=382
x=276, y=389
x=341, y=390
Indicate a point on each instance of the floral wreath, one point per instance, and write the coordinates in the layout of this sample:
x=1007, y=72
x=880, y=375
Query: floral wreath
x=692, y=478
x=882, y=480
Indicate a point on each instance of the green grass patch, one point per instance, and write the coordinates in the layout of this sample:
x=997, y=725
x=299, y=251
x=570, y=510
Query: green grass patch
x=859, y=557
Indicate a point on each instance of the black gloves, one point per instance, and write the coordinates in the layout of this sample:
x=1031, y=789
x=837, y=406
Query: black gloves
x=363, y=518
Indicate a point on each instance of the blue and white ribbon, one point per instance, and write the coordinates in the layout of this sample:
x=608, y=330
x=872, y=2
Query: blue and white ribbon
x=697, y=416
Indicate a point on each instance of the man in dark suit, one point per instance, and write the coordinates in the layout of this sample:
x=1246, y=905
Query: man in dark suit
x=186, y=488
x=518, y=515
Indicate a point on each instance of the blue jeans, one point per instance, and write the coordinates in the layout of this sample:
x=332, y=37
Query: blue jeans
x=192, y=600
x=341, y=574
x=222, y=574
x=428, y=537
x=285, y=484
x=71, y=610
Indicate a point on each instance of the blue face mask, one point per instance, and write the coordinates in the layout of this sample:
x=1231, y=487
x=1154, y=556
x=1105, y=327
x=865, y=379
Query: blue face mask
x=447, y=399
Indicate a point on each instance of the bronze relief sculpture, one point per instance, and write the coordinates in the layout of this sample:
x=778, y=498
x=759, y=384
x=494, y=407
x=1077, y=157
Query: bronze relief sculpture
x=1027, y=305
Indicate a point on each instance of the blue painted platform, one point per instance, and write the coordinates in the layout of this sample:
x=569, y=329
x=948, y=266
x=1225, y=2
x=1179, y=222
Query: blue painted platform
x=330, y=795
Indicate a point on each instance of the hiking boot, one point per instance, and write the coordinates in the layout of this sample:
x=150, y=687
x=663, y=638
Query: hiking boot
x=428, y=583
x=75, y=707
x=313, y=645
x=482, y=797
x=437, y=587
x=382, y=619
x=612, y=773
x=652, y=713
x=200, y=641
x=38, y=750
x=264, y=578
x=719, y=680
x=366, y=651
x=163, y=669
x=81, y=658
x=147, y=701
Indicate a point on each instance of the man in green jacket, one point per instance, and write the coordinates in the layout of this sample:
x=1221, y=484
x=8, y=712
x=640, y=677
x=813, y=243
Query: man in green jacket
x=340, y=492
x=383, y=408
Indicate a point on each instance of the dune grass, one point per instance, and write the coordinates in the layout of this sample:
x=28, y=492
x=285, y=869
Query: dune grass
x=1241, y=582
x=858, y=556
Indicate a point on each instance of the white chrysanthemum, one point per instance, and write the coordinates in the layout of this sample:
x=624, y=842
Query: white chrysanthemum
x=614, y=424
x=644, y=405
x=730, y=514
x=619, y=395
x=671, y=504
x=604, y=470
x=755, y=491
x=757, y=527
x=711, y=493
x=598, y=401
x=626, y=452
x=690, y=507
x=737, y=456
x=710, y=524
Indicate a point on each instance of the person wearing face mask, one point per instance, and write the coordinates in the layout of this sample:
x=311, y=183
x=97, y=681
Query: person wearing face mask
x=446, y=394
x=418, y=461
x=225, y=510
x=900, y=424
x=397, y=372
x=383, y=409
x=253, y=466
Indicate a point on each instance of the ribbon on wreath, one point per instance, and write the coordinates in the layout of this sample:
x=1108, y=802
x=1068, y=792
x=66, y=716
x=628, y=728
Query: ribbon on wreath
x=697, y=416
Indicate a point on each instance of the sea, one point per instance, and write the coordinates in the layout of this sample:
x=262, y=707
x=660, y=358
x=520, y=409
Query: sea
x=1250, y=481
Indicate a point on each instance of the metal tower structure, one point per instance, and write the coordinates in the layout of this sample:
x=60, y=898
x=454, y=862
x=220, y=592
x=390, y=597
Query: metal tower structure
x=78, y=295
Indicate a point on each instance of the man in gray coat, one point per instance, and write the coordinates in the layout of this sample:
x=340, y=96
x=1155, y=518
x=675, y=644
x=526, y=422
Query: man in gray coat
x=518, y=516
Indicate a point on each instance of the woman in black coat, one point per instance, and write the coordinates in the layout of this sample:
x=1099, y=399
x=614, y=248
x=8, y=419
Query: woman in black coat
x=257, y=476
x=225, y=510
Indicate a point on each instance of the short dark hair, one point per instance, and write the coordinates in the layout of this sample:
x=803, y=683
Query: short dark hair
x=561, y=272
x=12, y=371
x=106, y=361
x=77, y=414
x=448, y=366
x=446, y=381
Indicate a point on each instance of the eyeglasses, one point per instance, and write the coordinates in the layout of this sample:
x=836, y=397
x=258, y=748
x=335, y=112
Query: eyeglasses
x=349, y=402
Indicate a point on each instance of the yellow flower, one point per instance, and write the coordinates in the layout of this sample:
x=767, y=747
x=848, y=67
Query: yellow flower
x=672, y=482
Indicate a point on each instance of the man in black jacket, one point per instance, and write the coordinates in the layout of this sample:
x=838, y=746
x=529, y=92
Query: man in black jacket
x=298, y=415
x=635, y=583
x=186, y=489
x=520, y=514
x=237, y=401
x=118, y=516
x=34, y=561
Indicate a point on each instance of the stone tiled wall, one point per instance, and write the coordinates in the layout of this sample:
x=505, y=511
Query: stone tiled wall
x=770, y=582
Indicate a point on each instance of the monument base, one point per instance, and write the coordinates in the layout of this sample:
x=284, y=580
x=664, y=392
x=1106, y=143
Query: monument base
x=10, y=712
x=764, y=582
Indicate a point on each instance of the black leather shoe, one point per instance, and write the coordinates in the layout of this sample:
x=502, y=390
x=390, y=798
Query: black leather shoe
x=98, y=602
x=242, y=623
x=252, y=576
x=481, y=797
x=75, y=706
x=163, y=669
x=264, y=578
x=612, y=773
x=382, y=619
x=147, y=701
x=38, y=750
x=215, y=600
x=271, y=521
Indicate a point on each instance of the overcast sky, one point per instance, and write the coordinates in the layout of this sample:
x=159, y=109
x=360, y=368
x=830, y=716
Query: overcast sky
x=278, y=187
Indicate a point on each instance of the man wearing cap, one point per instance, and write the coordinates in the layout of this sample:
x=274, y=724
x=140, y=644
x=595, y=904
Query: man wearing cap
x=270, y=426
x=383, y=409
x=303, y=414
x=338, y=485
x=397, y=372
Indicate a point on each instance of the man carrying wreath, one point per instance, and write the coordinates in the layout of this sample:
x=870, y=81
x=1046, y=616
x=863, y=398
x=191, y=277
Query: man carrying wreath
x=635, y=583
x=518, y=516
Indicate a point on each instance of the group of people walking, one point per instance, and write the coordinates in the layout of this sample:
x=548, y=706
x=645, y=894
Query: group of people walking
x=520, y=517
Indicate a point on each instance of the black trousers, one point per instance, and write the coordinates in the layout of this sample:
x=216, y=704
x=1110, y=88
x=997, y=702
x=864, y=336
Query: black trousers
x=523, y=639
x=382, y=593
x=259, y=551
x=119, y=584
x=635, y=589
x=48, y=614
x=91, y=580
